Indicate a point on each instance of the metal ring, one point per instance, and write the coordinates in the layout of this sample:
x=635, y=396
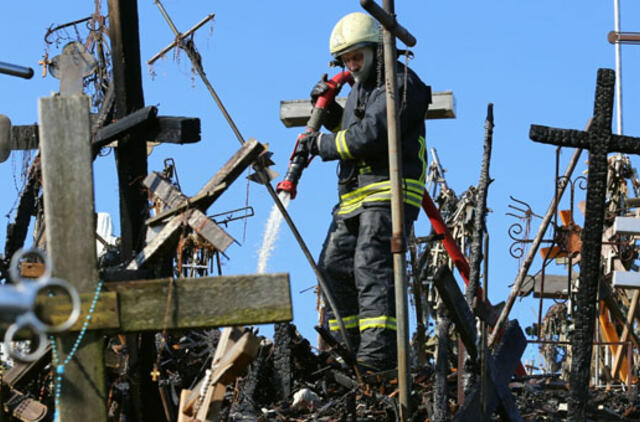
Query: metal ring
x=9, y=341
x=75, y=305
x=14, y=266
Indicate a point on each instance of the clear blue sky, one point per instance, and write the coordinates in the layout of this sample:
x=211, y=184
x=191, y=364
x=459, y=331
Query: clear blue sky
x=535, y=60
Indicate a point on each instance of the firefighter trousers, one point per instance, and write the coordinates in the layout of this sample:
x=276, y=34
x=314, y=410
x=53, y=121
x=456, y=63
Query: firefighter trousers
x=357, y=264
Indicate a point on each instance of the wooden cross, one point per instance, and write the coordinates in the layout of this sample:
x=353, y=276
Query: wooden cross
x=501, y=365
x=599, y=141
x=131, y=306
x=191, y=210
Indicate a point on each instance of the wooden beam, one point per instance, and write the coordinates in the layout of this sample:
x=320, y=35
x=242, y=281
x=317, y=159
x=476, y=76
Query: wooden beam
x=203, y=302
x=555, y=286
x=628, y=327
x=296, y=113
x=175, y=130
x=458, y=309
x=124, y=126
x=70, y=229
x=163, y=129
x=130, y=155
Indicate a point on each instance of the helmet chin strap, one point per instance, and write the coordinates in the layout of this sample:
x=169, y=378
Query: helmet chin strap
x=363, y=73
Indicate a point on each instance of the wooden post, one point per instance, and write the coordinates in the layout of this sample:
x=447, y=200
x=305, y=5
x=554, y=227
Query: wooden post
x=131, y=156
x=70, y=229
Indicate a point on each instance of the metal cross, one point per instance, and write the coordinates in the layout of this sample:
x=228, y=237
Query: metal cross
x=599, y=141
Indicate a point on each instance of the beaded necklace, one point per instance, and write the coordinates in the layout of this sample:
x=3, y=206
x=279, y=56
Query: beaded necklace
x=60, y=367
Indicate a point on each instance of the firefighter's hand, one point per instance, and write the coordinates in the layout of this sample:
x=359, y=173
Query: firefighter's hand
x=307, y=144
x=318, y=89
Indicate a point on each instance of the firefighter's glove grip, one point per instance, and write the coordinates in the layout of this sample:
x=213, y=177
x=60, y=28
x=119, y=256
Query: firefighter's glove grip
x=318, y=89
x=307, y=144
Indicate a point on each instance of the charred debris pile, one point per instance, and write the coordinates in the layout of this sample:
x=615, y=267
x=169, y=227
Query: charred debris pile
x=165, y=360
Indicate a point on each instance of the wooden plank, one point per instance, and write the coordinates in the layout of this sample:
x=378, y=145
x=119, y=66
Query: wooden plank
x=124, y=126
x=163, y=129
x=175, y=130
x=209, y=230
x=231, y=365
x=626, y=225
x=24, y=137
x=502, y=365
x=626, y=280
x=70, y=229
x=628, y=327
x=233, y=168
x=458, y=308
x=204, y=302
x=610, y=334
x=555, y=286
x=170, y=230
x=296, y=113
x=193, y=200
x=105, y=316
x=163, y=190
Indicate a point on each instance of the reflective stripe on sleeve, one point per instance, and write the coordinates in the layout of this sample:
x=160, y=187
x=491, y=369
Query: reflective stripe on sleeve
x=341, y=145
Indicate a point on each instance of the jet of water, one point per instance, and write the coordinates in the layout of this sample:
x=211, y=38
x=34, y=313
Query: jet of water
x=271, y=231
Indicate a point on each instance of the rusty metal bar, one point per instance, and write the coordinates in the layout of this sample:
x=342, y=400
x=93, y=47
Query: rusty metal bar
x=531, y=254
x=388, y=19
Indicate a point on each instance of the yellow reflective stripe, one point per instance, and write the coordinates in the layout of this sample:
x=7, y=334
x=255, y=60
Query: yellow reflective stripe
x=363, y=190
x=341, y=145
x=413, y=191
x=422, y=154
x=349, y=322
x=378, y=322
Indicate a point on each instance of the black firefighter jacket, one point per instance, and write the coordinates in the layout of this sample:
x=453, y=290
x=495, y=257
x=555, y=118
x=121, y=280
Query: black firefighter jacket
x=360, y=144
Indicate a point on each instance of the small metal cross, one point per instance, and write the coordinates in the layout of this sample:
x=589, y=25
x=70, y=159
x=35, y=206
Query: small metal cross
x=599, y=141
x=155, y=373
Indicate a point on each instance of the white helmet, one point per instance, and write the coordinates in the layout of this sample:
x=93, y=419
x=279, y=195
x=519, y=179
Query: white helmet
x=353, y=31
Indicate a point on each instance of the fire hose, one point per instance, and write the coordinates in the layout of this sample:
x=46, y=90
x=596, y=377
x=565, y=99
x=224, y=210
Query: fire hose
x=298, y=163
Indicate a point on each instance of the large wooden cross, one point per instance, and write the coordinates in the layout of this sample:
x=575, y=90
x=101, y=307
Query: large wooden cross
x=599, y=141
x=501, y=365
x=131, y=306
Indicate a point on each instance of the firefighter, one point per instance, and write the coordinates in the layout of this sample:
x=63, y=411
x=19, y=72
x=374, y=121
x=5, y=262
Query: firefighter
x=356, y=258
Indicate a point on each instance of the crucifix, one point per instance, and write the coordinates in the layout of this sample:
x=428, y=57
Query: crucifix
x=129, y=306
x=599, y=141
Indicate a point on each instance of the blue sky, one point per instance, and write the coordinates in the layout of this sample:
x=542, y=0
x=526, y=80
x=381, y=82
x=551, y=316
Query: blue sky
x=535, y=60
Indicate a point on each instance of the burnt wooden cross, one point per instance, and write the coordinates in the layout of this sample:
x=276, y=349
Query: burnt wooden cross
x=501, y=365
x=599, y=141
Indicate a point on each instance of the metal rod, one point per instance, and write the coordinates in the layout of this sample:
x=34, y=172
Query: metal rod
x=615, y=37
x=531, y=254
x=388, y=20
x=15, y=70
x=195, y=61
x=266, y=181
x=398, y=241
x=616, y=16
x=180, y=38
